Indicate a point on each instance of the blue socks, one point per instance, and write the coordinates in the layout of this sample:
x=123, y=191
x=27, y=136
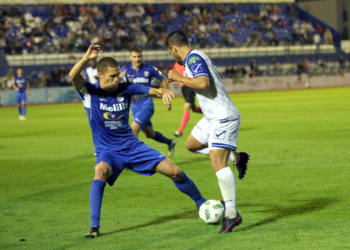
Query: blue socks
x=187, y=186
x=161, y=138
x=24, y=110
x=96, y=194
x=20, y=110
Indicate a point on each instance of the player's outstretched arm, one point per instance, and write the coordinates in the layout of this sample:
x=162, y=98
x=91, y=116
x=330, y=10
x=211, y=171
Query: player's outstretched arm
x=77, y=79
x=15, y=87
x=165, y=83
x=199, y=82
x=166, y=94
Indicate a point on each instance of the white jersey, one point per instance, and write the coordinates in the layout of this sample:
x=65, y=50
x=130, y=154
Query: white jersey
x=91, y=75
x=214, y=101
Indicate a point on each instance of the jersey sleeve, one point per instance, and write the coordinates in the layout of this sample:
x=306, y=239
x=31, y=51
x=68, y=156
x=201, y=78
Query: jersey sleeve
x=88, y=90
x=197, y=65
x=156, y=73
x=137, y=89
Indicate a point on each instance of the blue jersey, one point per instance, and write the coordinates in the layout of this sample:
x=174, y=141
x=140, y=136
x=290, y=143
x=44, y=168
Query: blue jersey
x=143, y=76
x=108, y=114
x=21, y=83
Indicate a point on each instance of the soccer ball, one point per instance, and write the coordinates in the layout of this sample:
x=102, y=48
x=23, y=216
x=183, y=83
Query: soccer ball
x=211, y=212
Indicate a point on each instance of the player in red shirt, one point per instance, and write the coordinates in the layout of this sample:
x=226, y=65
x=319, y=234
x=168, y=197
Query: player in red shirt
x=189, y=95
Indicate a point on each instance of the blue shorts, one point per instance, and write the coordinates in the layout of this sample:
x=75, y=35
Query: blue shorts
x=21, y=97
x=143, y=115
x=140, y=159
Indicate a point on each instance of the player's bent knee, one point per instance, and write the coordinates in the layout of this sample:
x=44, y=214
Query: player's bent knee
x=150, y=135
x=102, y=171
x=177, y=173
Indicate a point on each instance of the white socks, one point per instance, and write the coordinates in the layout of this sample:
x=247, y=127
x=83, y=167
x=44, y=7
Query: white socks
x=227, y=185
x=204, y=151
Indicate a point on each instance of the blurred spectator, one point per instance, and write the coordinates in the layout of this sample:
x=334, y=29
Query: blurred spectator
x=227, y=39
x=272, y=39
x=291, y=11
x=55, y=77
x=276, y=67
x=254, y=65
x=307, y=66
x=161, y=68
x=321, y=63
x=241, y=71
x=328, y=36
x=42, y=78
x=341, y=62
x=317, y=41
x=9, y=78
x=268, y=71
x=300, y=69
x=319, y=29
x=34, y=79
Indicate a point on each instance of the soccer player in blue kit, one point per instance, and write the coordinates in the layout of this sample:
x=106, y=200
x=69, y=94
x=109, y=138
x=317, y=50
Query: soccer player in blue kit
x=143, y=108
x=21, y=84
x=116, y=146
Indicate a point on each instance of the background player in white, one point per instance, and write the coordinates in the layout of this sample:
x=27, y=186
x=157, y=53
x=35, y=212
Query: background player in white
x=91, y=72
x=217, y=132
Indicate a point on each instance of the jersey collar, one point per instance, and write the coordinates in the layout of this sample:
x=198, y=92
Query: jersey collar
x=186, y=58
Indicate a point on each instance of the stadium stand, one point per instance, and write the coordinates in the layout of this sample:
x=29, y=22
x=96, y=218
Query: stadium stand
x=48, y=36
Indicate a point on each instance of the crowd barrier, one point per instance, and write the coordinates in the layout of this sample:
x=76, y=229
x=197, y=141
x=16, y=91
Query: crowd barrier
x=69, y=94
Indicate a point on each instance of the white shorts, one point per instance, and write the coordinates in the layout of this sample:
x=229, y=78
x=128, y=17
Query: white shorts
x=217, y=135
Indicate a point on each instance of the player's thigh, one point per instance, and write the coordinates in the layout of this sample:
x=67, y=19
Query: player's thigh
x=111, y=163
x=224, y=135
x=168, y=169
x=199, y=136
x=142, y=159
x=193, y=145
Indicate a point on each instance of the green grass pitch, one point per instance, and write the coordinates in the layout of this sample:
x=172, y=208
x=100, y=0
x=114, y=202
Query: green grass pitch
x=296, y=194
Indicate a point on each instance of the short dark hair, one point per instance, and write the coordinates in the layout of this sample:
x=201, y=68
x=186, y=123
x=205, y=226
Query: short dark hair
x=177, y=38
x=136, y=49
x=106, y=62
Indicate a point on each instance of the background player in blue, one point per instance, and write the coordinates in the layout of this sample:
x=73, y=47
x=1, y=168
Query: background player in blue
x=21, y=84
x=143, y=108
x=116, y=146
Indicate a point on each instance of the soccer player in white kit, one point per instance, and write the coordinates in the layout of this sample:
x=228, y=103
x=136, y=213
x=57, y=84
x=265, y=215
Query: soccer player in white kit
x=217, y=133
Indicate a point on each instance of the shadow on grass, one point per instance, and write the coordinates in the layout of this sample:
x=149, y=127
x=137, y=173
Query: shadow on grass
x=186, y=215
x=302, y=207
